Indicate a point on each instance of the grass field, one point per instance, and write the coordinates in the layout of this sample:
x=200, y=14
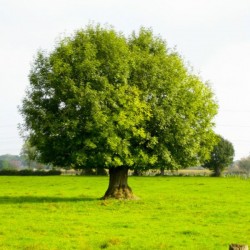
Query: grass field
x=64, y=212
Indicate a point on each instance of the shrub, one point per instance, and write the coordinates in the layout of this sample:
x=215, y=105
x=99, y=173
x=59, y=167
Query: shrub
x=244, y=165
x=29, y=172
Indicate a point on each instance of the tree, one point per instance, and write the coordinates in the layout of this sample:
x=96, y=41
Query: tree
x=103, y=100
x=28, y=153
x=244, y=164
x=221, y=156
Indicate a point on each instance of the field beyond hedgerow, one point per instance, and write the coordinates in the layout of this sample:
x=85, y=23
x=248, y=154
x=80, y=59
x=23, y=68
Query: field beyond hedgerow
x=64, y=212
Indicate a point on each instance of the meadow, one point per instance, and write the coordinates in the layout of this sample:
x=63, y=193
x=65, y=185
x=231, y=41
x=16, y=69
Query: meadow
x=65, y=212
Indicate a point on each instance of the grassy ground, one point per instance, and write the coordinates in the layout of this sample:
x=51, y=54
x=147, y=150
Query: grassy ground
x=64, y=212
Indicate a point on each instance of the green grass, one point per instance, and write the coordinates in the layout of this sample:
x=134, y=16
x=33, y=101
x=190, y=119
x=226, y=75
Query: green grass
x=64, y=212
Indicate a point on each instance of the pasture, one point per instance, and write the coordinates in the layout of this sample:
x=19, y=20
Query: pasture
x=65, y=212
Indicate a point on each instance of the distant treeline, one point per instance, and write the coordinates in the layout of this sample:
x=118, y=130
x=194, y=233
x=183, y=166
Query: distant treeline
x=15, y=162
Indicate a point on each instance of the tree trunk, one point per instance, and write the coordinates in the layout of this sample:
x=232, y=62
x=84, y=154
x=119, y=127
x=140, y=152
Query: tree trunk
x=118, y=184
x=238, y=247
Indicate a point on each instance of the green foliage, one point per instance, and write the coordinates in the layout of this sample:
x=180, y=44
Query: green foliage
x=62, y=213
x=244, y=164
x=28, y=154
x=221, y=157
x=103, y=100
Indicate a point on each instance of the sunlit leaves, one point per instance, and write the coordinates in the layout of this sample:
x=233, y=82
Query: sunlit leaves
x=103, y=100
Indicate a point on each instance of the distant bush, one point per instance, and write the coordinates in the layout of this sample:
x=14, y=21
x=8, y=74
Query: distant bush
x=244, y=165
x=8, y=172
x=29, y=172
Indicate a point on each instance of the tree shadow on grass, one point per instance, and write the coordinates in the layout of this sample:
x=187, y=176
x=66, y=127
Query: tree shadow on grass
x=42, y=199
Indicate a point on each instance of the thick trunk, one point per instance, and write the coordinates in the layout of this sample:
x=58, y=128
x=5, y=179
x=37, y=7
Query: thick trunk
x=238, y=247
x=118, y=184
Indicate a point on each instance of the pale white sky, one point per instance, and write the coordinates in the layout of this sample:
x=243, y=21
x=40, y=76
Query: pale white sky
x=212, y=35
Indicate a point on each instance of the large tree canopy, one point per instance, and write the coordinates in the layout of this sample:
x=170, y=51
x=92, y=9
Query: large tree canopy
x=100, y=99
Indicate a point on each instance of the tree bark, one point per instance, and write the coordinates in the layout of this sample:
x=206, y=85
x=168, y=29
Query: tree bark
x=118, y=184
x=238, y=247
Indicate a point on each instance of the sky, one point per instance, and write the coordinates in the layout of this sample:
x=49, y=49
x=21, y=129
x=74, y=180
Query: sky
x=213, y=36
